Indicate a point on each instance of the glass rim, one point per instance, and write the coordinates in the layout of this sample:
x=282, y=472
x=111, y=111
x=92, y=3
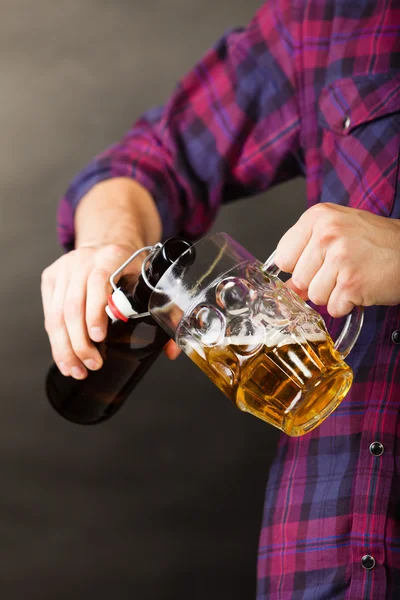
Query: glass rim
x=204, y=239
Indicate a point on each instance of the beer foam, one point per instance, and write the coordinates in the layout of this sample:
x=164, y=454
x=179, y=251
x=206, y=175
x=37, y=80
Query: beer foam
x=278, y=338
x=273, y=338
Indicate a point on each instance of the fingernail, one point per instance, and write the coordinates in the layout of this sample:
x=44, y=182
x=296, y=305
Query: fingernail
x=78, y=373
x=97, y=334
x=63, y=368
x=91, y=364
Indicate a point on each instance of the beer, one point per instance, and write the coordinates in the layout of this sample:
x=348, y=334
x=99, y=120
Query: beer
x=270, y=354
x=293, y=387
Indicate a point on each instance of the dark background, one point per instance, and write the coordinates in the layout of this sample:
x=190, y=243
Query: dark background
x=165, y=500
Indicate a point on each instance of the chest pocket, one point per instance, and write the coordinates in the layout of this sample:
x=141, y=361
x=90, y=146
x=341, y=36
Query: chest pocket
x=360, y=121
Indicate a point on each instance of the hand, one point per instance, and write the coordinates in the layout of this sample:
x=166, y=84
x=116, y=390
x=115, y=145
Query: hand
x=75, y=289
x=342, y=257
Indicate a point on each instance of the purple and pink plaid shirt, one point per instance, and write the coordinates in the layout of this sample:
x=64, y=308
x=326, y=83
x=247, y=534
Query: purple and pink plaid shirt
x=312, y=88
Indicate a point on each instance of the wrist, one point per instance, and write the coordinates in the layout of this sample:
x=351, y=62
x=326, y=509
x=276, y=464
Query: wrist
x=117, y=211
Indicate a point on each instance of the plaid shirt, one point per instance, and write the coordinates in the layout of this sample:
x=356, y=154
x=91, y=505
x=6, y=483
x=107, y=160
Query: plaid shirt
x=308, y=88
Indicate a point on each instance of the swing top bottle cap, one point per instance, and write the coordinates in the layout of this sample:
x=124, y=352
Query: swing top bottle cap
x=121, y=305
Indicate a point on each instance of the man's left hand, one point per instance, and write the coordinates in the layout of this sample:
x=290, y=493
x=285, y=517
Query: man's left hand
x=342, y=257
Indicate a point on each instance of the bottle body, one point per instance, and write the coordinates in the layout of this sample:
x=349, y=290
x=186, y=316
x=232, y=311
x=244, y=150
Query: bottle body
x=128, y=352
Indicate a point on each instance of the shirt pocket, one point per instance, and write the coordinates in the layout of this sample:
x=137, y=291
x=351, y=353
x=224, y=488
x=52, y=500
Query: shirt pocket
x=360, y=124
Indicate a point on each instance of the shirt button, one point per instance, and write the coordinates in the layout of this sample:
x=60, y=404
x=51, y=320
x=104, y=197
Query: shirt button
x=376, y=449
x=367, y=562
x=396, y=336
x=346, y=122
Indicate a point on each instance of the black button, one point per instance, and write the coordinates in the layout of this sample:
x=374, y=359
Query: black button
x=376, y=448
x=396, y=336
x=368, y=562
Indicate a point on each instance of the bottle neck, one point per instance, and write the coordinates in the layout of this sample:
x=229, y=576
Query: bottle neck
x=169, y=252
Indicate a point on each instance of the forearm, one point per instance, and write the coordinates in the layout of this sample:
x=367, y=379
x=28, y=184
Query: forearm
x=117, y=211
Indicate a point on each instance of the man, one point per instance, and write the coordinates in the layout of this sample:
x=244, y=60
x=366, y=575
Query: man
x=308, y=88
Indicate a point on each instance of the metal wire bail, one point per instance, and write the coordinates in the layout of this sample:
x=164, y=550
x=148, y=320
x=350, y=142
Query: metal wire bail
x=152, y=250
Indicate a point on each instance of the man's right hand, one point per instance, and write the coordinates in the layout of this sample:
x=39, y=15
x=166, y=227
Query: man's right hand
x=75, y=289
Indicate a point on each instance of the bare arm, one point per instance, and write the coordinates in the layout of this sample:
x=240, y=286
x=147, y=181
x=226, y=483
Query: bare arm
x=117, y=211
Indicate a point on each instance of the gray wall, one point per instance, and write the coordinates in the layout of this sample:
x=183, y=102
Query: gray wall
x=165, y=500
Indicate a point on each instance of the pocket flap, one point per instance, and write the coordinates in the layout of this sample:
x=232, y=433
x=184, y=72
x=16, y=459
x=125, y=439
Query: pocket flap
x=346, y=103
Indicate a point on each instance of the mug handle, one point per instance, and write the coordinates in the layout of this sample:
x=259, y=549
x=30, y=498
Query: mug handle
x=354, y=320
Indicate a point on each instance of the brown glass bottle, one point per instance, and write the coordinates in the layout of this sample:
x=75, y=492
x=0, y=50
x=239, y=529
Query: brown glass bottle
x=128, y=352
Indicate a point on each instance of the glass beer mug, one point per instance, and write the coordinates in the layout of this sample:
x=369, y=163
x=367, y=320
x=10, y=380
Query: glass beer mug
x=258, y=341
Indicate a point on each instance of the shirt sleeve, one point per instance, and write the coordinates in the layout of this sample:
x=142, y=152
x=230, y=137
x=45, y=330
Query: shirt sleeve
x=230, y=130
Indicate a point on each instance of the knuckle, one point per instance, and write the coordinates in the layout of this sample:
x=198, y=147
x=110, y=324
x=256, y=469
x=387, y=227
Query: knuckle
x=100, y=275
x=345, y=286
x=326, y=221
x=300, y=284
x=81, y=350
x=349, y=282
x=78, y=253
x=84, y=250
x=81, y=257
x=341, y=252
x=318, y=211
x=79, y=345
x=65, y=356
x=114, y=252
x=328, y=233
x=342, y=248
x=97, y=317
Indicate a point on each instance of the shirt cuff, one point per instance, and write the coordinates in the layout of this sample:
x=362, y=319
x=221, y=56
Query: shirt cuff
x=102, y=170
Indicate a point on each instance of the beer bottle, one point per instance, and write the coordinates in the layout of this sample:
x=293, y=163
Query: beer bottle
x=128, y=351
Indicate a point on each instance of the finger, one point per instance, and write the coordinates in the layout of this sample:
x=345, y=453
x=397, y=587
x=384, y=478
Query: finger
x=74, y=315
x=60, y=343
x=323, y=284
x=47, y=289
x=98, y=289
x=172, y=351
x=303, y=294
x=307, y=266
x=53, y=321
x=292, y=245
x=339, y=304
